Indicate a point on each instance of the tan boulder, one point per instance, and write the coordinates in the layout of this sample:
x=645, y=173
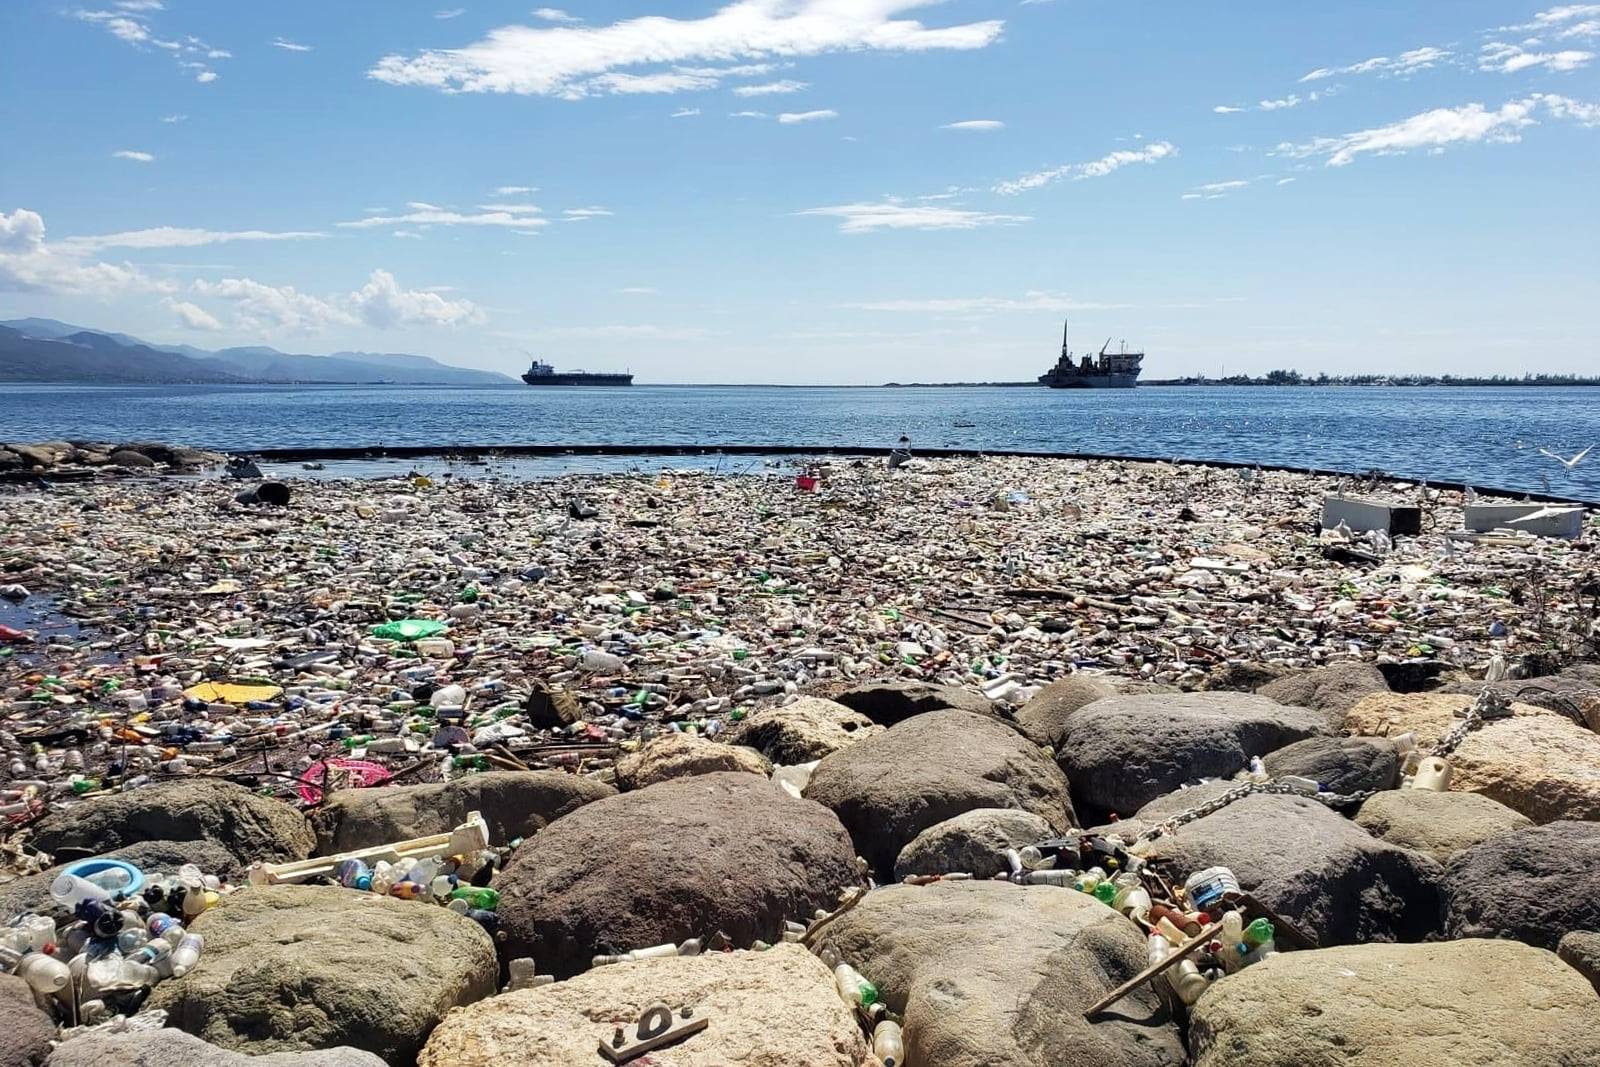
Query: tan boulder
x=676, y=755
x=1450, y=1004
x=806, y=730
x=1537, y=761
x=776, y=1008
x=1436, y=824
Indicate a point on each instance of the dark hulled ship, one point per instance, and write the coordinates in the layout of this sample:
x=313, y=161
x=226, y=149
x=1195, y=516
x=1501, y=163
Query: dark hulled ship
x=1106, y=370
x=544, y=374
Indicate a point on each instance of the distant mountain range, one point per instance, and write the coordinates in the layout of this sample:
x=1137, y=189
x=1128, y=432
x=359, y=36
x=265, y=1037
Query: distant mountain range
x=44, y=350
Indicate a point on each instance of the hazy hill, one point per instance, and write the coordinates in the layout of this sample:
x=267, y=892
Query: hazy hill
x=185, y=363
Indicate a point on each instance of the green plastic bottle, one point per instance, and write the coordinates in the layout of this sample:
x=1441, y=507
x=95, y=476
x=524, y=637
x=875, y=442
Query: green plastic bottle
x=1259, y=932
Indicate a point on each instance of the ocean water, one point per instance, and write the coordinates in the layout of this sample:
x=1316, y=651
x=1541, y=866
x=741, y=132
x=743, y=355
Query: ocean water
x=1488, y=437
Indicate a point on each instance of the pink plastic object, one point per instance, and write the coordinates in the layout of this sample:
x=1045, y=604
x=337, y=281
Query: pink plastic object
x=363, y=772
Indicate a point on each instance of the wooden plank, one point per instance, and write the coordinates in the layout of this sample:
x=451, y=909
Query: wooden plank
x=1173, y=959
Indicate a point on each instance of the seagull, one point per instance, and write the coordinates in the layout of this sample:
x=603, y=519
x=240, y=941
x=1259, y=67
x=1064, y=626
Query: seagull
x=1564, y=461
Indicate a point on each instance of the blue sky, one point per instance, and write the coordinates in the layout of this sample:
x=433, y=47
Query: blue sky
x=813, y=190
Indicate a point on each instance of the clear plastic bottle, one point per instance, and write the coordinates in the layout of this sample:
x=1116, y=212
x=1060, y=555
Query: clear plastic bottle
x=888, y=1043
x=853, y=986
x=1064, y=878
x=353, y=874
x=68, y=890
x=44, y=974
x=187, y=954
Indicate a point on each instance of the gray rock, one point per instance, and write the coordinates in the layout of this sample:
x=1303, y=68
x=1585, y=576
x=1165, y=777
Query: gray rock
x=888, y=703
x=248, y=826
x=1437, y=825
x=1456, y=1004
x=1581, y=949
x=1334, y=689
x=32, y=892
x=1573, y=692
x=1315, y=868
x=1045, y=714
x=1342, y=765
x=126, y=457
x=513, y=803
x=727, y=851
x=1123, y=752
x=1535, y=885
x=174, y=1048
x=806, y=730
x=974, y=842
x=27, y=1031
x=289, y=968
x=889, y=788
x=10, y=461
x=989, y=974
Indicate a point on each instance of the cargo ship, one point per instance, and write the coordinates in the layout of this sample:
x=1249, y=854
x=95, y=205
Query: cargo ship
x=544, y=374
x=1107, y=370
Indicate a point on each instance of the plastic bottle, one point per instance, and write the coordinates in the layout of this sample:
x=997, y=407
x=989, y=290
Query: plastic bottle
x=853, y=986
x=1061, y=878
x=69, y=891
x=477, y=897
x=187, y=954
x=1433, y=774
x=888, y=1043
x=1165, y=927
x=353, y=874
x=690, y=947
x=44, y=974
x=1258, y=933
x=1231, y=935
x=1187, y=981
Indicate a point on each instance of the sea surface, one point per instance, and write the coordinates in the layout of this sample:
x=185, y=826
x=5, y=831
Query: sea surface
x=1488, y=437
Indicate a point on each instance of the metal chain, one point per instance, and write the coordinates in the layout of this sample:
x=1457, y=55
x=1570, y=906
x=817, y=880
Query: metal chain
x=1488, y=705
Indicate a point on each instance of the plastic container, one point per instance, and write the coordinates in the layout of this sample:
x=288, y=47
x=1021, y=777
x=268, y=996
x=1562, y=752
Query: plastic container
x=68, y=890
x=888, y=1043
x=854, y=987
x=113, y=876
x=187, y=954
x=1206, y=888
x=44, y=974
x=1433, y=774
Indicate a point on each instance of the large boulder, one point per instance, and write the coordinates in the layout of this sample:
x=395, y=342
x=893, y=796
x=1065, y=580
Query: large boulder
x=888, y=703
x=174, y=1048
x=1581, y=950
x=676, y=755
x=32, y=892
x=974, y=841
x=767, y=1009
x=1334, y=689
x=988, y=974
x=683, y=859
x=1045, y=714
x=293, y=967
x=27, y=1030
x=806, y=730
x=249, y=826
x=889, y=788
x=1339, y=764
x=513, y=803
x=1320, y=871
x=1536, y=760
x=1574, y=692
x=1437, y=825
x=1123, y=752
x=1534, y=885
x=1458, y=1003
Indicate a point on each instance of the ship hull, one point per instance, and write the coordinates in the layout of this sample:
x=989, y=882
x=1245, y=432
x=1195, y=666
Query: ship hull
x=1092, y=381
x=578, y=379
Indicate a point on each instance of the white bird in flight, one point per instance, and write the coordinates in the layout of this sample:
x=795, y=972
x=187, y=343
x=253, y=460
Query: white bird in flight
x=1563, y=460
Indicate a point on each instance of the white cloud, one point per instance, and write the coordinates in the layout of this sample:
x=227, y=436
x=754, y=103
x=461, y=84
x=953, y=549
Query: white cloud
x=578, y=214
x=1436, y=129
x=1553, y=19
x=1279, y=105
x=1032, y=301
x=137, y=157
x=383, y=304
x=1497, y=56
x=1224, y=109
x=895, y=215
x=788, y=85
x=130, y=23
x=30, y=264
x=1222, y=188
x=1403, y=64
x=408, y=234
x=192, y=316
x=515, y=190
x=380, y=303
x=554, y=14
x=1285, y=181
x=179, y=237
x=290, y=46
x=975, y=125
x=451, y=13
x=789, y=118
x=572, y=62
x=637, y=290
x=420, y=214
x=629, y=331
x=205, y=77
x=174, y=118
x=1153, y=152
x=141, y=5
x=686, y=113
x=748, y=115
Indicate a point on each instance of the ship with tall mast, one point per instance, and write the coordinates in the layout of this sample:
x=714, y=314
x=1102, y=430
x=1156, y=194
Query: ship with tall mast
x=542, y=373
x=1106, y=370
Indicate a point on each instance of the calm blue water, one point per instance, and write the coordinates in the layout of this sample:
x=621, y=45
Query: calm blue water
x=1486, y=436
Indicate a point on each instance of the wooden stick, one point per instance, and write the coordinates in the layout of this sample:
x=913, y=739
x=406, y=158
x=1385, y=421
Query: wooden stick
x=1173, y=959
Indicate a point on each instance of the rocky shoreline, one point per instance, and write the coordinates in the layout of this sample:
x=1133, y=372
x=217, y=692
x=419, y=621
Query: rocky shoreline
x=876, y=724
